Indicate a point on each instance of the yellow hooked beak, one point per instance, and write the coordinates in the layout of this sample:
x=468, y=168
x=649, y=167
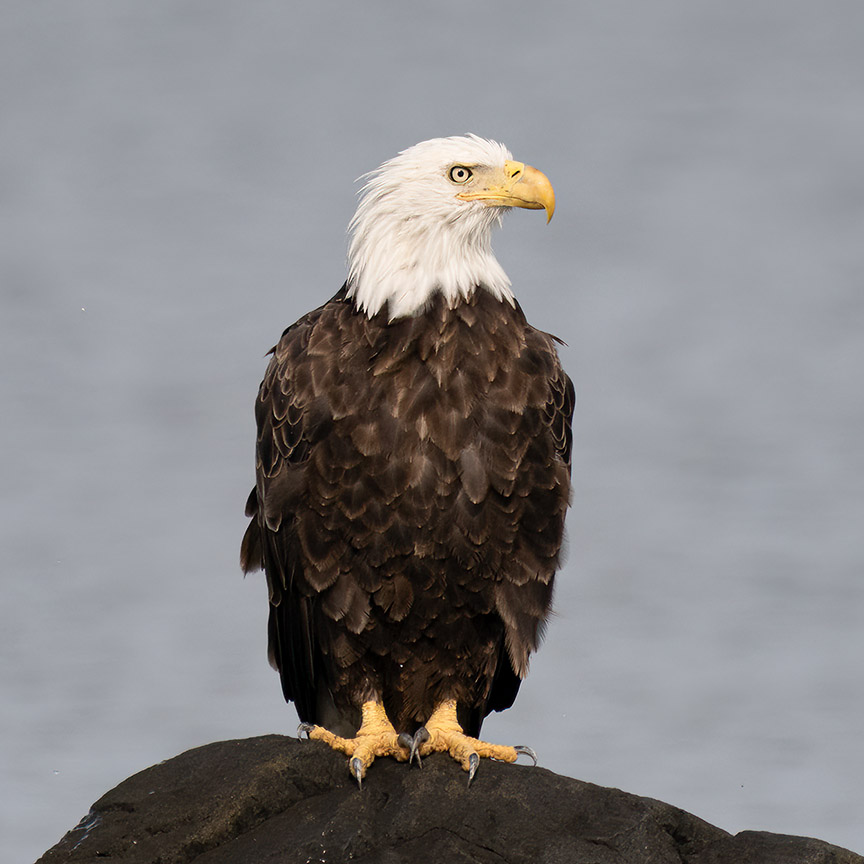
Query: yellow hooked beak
x=516, y=185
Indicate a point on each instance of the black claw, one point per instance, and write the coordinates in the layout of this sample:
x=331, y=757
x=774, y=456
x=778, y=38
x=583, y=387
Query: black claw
x=526, y=751
x=406, y=741
x=421, y=736
x=357, y=770
x=304, y=727
x=473, y=763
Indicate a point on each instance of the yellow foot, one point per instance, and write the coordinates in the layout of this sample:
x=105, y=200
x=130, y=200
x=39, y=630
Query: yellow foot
x=443, y=734
x=375, y=737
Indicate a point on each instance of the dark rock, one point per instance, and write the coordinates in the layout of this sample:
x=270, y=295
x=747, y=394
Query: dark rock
x=274, y=799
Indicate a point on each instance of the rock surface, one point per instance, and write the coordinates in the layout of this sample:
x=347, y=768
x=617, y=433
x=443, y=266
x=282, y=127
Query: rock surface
x=275, y=799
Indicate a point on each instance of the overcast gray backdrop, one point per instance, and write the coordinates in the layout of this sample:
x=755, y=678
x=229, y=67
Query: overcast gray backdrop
x=176, y=181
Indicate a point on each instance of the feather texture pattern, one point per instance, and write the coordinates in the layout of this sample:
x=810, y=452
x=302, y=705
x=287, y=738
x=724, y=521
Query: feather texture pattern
x=412, y=481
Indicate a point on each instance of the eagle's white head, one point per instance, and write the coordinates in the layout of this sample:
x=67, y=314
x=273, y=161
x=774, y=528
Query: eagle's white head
x=425, y=220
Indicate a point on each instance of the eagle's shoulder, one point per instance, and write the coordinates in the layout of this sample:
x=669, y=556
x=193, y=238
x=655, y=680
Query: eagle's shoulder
x=552, y=389
x=561, y=394
x=301, y=362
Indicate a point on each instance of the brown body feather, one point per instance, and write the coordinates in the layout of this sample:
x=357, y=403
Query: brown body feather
x=412, y=481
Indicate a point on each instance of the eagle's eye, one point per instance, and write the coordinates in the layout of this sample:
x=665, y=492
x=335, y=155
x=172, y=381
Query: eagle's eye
x=460, y=174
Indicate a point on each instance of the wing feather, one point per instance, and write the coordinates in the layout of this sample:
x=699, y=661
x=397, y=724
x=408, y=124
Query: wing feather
x=524, y=597
x=288, y=422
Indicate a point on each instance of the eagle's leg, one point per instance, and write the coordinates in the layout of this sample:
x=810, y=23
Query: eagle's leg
x=375, y=737
x=443, y=734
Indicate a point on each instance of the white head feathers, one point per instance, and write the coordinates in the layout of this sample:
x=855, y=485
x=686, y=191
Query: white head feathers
x=412, y=237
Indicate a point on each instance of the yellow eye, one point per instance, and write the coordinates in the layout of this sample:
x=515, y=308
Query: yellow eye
x=460, y=174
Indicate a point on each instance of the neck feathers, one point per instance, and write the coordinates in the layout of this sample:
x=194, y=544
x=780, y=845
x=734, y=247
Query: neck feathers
x=406, y=262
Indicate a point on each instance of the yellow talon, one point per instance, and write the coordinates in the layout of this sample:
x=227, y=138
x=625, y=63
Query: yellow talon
x=443, y=734
x=375, y=737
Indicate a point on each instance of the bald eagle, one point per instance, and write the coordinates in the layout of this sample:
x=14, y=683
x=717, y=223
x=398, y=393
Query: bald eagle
x=413, y=470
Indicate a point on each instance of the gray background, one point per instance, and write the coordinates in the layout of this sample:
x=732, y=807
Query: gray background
x=176, y=181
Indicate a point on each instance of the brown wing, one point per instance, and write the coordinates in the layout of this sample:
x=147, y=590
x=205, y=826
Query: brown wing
x=529, y=602
x=286, y=428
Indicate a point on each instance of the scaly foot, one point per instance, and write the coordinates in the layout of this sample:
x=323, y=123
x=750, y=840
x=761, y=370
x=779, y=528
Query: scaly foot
x=443, y=734
x=375, y=737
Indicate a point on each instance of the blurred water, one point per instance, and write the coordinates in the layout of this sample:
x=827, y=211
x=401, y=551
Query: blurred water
x=175, y=180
